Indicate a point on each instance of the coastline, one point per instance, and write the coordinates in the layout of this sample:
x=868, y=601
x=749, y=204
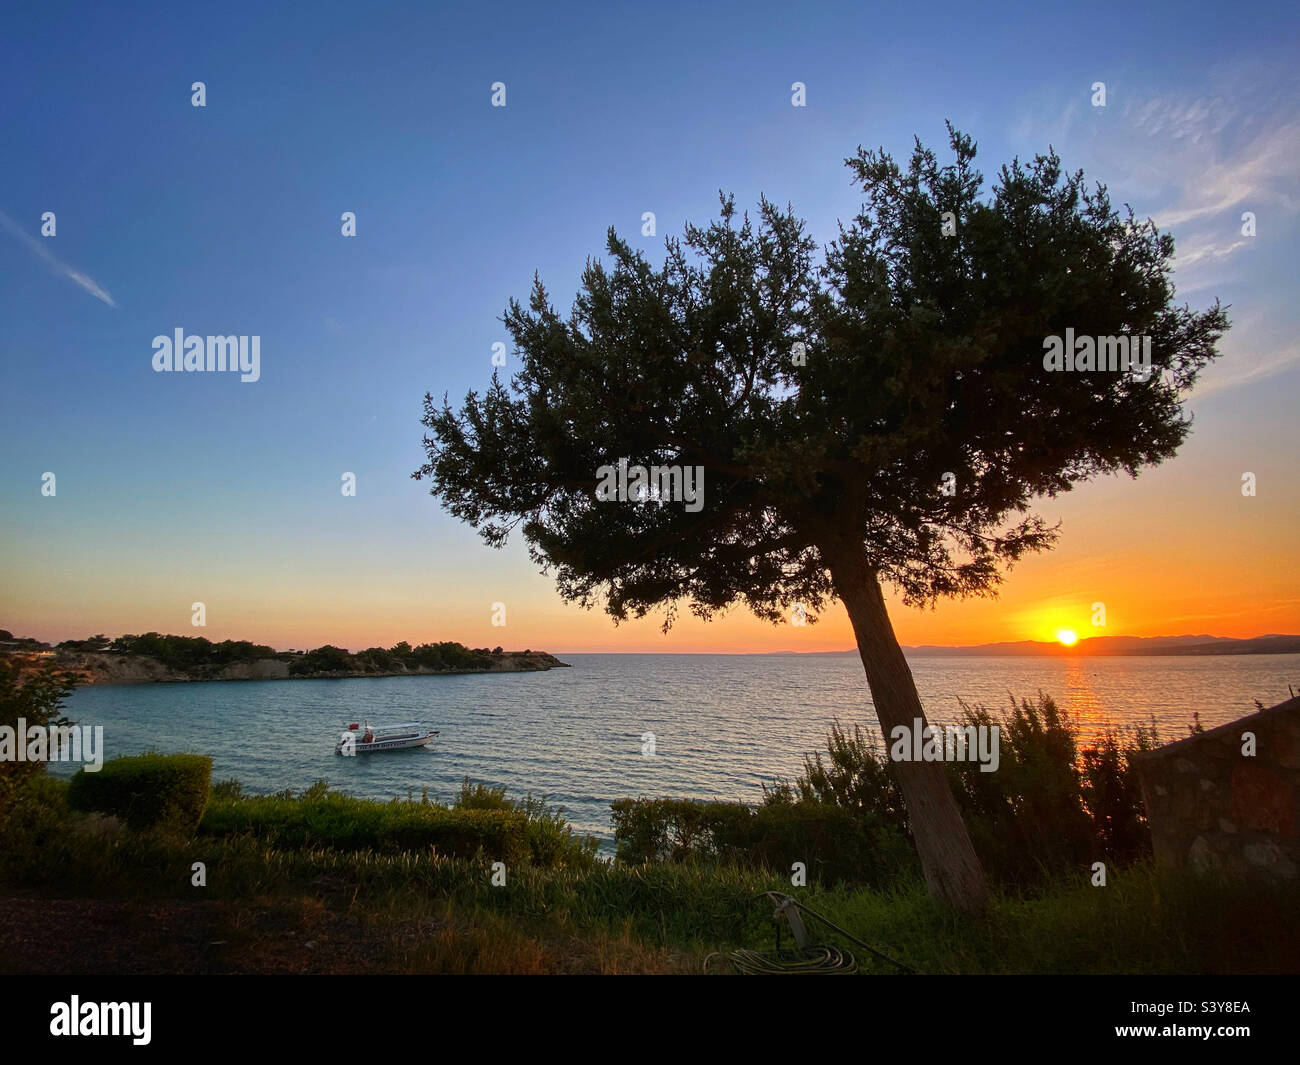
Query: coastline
x=100, y=669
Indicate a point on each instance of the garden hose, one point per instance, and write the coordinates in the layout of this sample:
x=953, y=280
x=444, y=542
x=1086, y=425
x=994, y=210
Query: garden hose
x=806, y=960
x=811, y=961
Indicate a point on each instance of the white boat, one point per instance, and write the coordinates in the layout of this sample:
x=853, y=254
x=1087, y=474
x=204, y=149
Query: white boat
x=364, y=738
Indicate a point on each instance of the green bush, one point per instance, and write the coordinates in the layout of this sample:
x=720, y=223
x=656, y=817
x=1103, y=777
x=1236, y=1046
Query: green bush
x=147, y=789
x=1054, y=805
x=673, y=830
x=1029, y=817
x=46, y=791
x=552, y=843
x=1113, y=794
x=481, y=797
x=227, y=789
x=320, y=818
x=853, y=775
x=833, y=844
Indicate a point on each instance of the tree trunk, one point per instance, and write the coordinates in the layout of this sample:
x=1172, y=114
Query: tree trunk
x=952, y=869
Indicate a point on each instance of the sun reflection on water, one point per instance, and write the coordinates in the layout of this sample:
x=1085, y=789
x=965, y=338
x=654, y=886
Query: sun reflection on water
x=1080, y=699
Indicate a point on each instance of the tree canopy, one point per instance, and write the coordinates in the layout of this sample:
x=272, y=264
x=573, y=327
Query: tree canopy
x=922, y=356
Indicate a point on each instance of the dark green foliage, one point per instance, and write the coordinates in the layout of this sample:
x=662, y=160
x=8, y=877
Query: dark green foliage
x=832, y=844
x=326, y=659
x=1053, y=804
x=851, y=776
x=1113, y=795
x=377, y=660
x=552, y=843
x=321, y=818
x=482, y=819
x=481, y=797
x=435, y=657
x=191, y=653
x=658, y=830
x=1029, y=814
x=146, y=790
x=227, y=789
x=201, y=657
x=37, y=697
x=694, y=907
x=93, y=643
x=29, y=643
x=1051, y=807
x=923, y=355
x=445, y=655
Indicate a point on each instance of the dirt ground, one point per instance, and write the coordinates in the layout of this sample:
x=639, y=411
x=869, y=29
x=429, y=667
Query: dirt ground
x=97, y=937
x=306, y=935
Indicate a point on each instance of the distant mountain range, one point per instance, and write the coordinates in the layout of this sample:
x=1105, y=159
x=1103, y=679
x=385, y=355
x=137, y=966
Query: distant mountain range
x=1109, y=645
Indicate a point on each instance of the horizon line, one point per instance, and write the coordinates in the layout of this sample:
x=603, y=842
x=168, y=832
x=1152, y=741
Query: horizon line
x=1063, y=649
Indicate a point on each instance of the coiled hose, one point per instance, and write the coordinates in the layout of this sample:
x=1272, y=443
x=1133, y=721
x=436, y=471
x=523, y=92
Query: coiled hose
x=807, y=960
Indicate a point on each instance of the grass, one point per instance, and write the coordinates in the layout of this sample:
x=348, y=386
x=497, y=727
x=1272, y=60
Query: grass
x=425, y=912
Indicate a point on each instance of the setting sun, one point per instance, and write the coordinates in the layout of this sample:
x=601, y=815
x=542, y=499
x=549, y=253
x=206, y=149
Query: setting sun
x=1067, y=637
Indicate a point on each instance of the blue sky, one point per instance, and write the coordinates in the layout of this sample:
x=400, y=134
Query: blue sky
x=225, y=219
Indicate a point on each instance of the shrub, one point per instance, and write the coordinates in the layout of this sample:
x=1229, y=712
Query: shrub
x=832, y=843
x=1113, y=795
x=853, y=776
x=672, y=830
x=327, y=659
x=1029, y=816
x=551, y=841
x=329, y=819
x=146, y=790
x=1053, y=804
x=481, y=797
x=227, y=789
x=46, y=791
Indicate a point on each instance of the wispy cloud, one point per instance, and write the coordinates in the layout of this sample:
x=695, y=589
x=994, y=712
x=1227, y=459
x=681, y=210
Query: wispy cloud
x=1253, y=611
x=1194, y=159
x=1264, y=173
x=57, y=265
x=1247, y=368
x=1180, y=119
x=1187, y=157
x=1207, y=252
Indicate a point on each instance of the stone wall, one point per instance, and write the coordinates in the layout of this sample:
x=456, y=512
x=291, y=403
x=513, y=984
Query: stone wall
x=1214, y=807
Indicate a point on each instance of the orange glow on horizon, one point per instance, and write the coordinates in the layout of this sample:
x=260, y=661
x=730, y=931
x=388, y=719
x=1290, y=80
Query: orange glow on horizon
x=1155, y=576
